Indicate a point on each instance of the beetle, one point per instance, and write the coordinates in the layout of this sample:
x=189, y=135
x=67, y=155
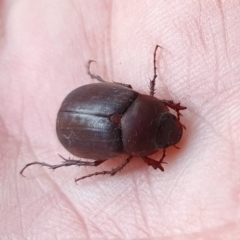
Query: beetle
x=103, y=120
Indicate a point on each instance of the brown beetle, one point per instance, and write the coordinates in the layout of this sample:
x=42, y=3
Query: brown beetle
x=104, y=120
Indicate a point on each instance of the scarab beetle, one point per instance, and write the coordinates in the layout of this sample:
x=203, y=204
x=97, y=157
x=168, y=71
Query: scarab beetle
x=103, y=120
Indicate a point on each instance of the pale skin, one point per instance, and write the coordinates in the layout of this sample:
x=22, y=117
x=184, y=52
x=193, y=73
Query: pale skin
x=44, y=49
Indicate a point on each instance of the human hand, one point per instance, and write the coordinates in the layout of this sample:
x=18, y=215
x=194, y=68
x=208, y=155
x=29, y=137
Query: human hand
x=44, y=50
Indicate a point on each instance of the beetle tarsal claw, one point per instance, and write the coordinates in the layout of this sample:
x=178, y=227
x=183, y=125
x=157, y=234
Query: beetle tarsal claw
x=155, y=164
x=183, y=126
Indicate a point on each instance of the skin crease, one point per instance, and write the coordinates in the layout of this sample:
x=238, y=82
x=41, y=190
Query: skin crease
x=44, y=48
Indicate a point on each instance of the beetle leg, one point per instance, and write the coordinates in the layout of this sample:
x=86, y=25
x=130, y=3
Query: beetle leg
x=65, y=163
x=153, y=81
x=92, y=75
x=111, y=172
x=79, y=163
x=100, y=78
x=155, y=164
x=175, y=106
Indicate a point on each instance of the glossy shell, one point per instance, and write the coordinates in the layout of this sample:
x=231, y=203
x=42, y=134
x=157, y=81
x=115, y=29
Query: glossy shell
x=104, y=120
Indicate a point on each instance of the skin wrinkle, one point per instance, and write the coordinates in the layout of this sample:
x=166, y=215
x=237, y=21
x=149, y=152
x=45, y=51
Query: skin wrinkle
x=189, y=65
x=98, y=229
x=161, y=75
x=207, y=122
x=84, y=31
x=110, y=218
x=231, y=138
x=229, y=92
x=223, y=23
x=217, y=61
x=116, y=227
x=199, y=25
x=200, y=31
x=20, y=210
x=143, y=213
x=153, y=196
x=108, y=38
x=107, y=205
x=216, y=58
x=64, y=197
x=173, y=186
x=215, y=130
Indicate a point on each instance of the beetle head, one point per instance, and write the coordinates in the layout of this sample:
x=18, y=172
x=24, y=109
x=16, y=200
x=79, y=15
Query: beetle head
x=169, y=131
